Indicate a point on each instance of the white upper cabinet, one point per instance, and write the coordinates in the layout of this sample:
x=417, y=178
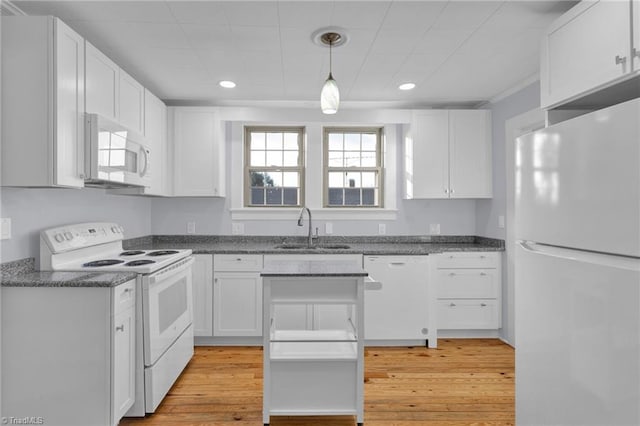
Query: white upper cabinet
x=155, y=131
x=42, y=103
x=101, y=83
x=635, y=53
x=448, y=154
x=588, y=48
x=197, y=145
x=131, y=103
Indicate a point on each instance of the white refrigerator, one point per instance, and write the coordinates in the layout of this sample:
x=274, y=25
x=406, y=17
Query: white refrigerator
x=577, y=263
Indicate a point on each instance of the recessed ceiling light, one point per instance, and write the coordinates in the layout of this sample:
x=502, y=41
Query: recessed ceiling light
x=407, y=86
x=227, y=84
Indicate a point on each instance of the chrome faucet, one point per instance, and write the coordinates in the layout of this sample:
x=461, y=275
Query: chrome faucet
x=310, y=237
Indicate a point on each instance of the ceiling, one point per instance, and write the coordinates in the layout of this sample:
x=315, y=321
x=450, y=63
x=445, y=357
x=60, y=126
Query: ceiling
x=457, y=52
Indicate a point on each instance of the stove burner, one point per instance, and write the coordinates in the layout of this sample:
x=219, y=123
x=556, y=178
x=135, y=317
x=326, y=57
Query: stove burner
x=139, y=262
x=105, y=262
x=131, y=253
x=162, y=252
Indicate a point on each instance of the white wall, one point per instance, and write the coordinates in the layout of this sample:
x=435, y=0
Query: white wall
x=32, y=210
x=487, y=211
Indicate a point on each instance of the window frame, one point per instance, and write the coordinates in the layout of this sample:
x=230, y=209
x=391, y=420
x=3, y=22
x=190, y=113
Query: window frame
x=300, y=168
x=379, y=168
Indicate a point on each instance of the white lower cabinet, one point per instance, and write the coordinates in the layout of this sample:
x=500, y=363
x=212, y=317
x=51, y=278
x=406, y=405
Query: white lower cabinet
x=469, y=290
x=203, y=295
x=399, y=303
x=237, y=295
x=77, y=366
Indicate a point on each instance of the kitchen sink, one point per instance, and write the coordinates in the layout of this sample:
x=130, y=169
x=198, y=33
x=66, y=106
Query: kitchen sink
x=304, y=246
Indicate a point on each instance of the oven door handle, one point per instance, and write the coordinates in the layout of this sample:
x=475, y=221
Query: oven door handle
x=170, y=270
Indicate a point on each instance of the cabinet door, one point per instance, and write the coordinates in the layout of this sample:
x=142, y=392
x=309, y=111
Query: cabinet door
x=636, y=35
x=396, y=308
x=101, y=83
x=470, y=154
x=427, y=156
x=131, y=103
x=237, y=304
x=203, y=295
x=155, y=131
x=69, y=89
x=198, y=153
x=579, y=50
x=123, y=363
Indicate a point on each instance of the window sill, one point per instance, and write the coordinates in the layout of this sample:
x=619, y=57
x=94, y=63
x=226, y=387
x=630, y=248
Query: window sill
x=291, y=213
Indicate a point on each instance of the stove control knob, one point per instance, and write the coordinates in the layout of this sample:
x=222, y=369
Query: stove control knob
x=68, y=236
x=114, y=229
x=59, y=238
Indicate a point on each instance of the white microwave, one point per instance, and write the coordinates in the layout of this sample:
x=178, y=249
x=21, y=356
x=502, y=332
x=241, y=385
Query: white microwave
x=115, y=156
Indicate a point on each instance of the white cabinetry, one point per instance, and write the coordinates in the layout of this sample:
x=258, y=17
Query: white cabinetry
x=42, y=103
x=588, y=48
x=237, y=295
x=203, y=295
x=448, y=154
x=101, y=83
x=197, y=145
x=469, y=290
x=399, y=304
x=131, y=103
x=78, y=365
x=155, y=132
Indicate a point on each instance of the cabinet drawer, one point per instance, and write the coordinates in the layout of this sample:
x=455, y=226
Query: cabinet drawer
x=124, y=296
x=471, y=259
x=468, y=314
x=468, y=283
x=237, y=262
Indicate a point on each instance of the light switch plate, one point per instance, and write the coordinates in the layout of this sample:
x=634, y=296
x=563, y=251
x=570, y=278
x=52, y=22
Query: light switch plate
x=328, y=228
x=5, y=228
x=500, y=221
x=434, y=228
x=191, y=227
x=382, y=229
x=237, y=228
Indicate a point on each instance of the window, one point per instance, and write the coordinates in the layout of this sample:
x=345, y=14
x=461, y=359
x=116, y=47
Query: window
x=274, y=172
x=352, y=167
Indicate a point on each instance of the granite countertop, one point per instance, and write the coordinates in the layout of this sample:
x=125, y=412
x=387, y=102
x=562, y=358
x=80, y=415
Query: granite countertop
x=22, y=273
x=312, y=268
x=386, y=245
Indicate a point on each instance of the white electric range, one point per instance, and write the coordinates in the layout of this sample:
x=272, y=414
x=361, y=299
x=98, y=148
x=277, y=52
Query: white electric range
x=164, y=313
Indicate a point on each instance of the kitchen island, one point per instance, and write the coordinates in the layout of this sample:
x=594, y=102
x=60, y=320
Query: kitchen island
x=317, y=370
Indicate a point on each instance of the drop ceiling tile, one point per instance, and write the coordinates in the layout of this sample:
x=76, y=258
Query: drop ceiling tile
x=442, y=40
x=298, y=41
x=423, y=63
x=383, y=63
x=359, y=15
x=413, y=14
x=527, y=14
x=198, y=12
x=116, y=11
x=213, y=37
x=307, y=63
x=156, y=58
x=251, y=13
x=395, y=41
x=256, y=39
x=308, y=15
x=465, y=14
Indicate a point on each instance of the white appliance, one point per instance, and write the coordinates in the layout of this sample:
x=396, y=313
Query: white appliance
x=164, y=312
x=578, y=271
x=115, y=156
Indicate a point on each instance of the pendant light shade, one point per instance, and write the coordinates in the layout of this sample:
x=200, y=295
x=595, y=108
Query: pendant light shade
x=330, y=94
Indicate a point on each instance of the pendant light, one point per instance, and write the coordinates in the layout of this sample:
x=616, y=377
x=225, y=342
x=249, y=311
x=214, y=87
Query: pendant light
x=330, y=95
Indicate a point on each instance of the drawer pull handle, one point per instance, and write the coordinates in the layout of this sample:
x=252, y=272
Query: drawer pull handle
x=239, y=259
x=127, y=290
x=120, y=328
x=621, y=60
x=451, y=257
x=482, y=256
x=483, y=304
x=452, y=304
x=452, y=274
x=483, y=273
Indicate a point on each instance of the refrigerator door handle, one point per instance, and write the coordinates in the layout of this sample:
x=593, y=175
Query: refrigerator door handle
x=622, y=262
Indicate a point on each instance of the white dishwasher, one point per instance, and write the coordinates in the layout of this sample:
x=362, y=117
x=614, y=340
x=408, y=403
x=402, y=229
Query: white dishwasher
x=399, y=304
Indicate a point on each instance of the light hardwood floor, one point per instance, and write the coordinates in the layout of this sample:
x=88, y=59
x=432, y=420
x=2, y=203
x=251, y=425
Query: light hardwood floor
x=463, y=382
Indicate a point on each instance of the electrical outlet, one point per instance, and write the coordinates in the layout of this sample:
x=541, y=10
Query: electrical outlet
x=5, y=228
x=500, y=221
x=328, y=228
x=237, y=228
x=382, y=229
x=434, y=228
x=191, y=227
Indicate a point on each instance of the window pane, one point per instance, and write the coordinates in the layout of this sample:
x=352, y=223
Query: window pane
x=352, y=196
x=369, y=141
x=291, y=158
x=274, y=158
x=257, y=196
x=291, y=141
x=351, y=159
x=290, y=196
x=257, y=140
x=353, y=180
x=273, y=178
x=335, y=159
x=368, y=197
x=274, y=140
x=274, y=196
x=352, y=141
x=290, y=179
x=368, y=179
x=335, y=196
x=335, y=142
x=336, y=180
x=369, y=159
x=257, y=179
x=257, y=158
